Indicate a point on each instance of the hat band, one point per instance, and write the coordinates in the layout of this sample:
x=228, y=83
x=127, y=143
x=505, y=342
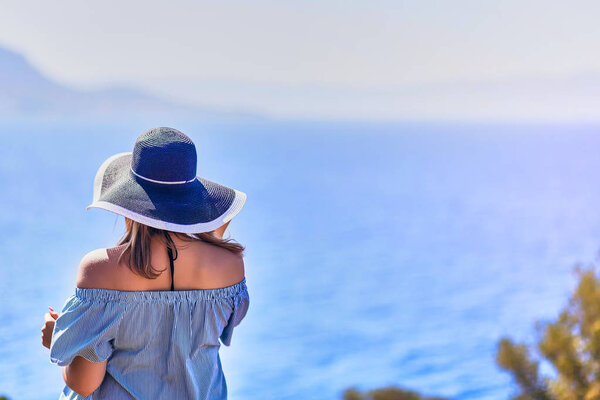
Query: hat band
x=155, y=181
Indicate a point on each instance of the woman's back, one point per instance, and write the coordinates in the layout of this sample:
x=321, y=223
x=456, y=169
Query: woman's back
x=198, y=265
x=159, y=343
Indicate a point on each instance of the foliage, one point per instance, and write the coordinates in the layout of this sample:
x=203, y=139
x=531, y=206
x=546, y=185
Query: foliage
x=388, y=393
x=570, y=344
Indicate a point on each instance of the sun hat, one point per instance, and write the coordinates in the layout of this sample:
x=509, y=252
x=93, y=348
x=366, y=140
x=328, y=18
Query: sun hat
x=156, y=185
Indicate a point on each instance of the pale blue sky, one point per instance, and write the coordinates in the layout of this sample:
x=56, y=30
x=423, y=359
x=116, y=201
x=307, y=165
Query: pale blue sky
x=379, y=59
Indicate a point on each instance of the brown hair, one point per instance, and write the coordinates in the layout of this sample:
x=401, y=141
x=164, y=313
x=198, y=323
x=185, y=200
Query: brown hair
x=137, y=239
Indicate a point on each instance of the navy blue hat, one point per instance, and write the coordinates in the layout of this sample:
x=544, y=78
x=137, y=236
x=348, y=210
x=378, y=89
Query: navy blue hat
x=156, y=185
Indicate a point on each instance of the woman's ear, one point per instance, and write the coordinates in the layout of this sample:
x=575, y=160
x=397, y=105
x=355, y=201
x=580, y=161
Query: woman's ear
x=220, y=231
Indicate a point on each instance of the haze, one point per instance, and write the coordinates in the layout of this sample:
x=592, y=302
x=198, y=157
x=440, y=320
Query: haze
x=515, y=60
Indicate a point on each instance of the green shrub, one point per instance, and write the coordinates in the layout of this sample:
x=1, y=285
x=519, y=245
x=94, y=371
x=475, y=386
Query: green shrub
x=570, y=344
x=387, y=393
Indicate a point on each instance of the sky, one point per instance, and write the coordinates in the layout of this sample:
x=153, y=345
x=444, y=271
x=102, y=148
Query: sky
x=377, y=59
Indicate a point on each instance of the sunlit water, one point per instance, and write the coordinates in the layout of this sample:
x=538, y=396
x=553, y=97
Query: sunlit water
x=376, y=254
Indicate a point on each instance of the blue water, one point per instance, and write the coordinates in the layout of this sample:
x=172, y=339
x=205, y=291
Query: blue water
x=377, y=254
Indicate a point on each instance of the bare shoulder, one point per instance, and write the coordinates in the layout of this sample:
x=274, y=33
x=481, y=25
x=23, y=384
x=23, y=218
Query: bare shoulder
x=237, y=263
x=220, y=257
x=95, y=267
x=229, y=271
x=218, y=267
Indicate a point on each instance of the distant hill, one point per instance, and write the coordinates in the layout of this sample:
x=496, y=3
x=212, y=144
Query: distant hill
x=25, y=92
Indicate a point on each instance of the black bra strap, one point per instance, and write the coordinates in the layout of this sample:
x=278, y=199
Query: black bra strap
x=172, y=267
x=171, y=259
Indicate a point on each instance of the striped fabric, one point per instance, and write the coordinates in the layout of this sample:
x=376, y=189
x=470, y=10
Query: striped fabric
x=159, y=344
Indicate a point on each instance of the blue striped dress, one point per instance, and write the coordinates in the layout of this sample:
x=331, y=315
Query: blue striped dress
x=159, y=344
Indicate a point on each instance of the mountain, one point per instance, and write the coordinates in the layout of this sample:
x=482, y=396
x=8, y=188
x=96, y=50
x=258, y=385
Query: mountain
x=25, y=92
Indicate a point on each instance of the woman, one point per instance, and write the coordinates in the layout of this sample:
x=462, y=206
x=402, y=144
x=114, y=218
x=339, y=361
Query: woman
x=147, y=315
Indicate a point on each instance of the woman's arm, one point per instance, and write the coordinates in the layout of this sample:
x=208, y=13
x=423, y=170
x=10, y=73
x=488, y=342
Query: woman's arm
x=81, y=375
x=84, y=376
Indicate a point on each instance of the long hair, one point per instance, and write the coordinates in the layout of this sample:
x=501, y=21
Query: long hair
x=137, y=239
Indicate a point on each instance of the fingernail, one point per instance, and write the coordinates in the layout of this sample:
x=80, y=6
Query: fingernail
x=50, y=308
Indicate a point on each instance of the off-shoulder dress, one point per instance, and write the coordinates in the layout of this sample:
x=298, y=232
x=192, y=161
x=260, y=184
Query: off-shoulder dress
x=159, y=344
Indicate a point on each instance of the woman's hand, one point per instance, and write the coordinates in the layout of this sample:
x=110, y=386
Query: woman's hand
x=48, y=327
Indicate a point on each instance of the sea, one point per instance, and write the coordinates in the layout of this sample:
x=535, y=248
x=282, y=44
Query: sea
x=377, y=254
